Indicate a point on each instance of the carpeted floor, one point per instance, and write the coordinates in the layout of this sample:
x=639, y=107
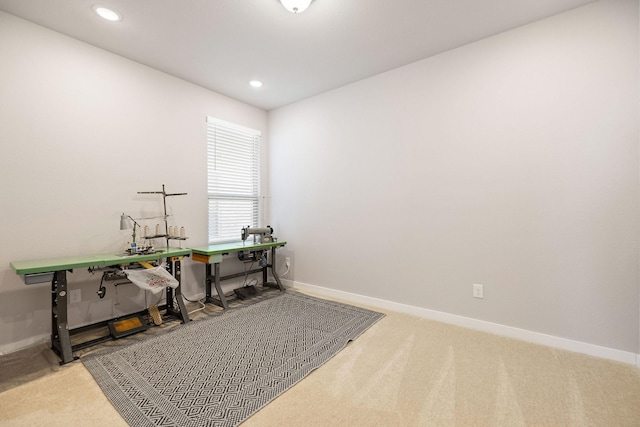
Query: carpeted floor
x=404, y=371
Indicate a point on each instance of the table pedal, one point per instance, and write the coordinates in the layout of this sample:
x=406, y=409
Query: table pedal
x=246, y=292
x=129, y=326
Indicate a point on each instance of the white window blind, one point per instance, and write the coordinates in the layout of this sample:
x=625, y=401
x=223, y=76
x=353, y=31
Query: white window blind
x=233, y=165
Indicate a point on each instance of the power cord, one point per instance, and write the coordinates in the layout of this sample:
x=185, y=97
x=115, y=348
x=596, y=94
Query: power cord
x=246, y=275
x=287, y=263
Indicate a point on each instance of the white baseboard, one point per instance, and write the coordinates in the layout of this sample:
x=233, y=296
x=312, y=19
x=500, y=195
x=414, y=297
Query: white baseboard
x=480, y=325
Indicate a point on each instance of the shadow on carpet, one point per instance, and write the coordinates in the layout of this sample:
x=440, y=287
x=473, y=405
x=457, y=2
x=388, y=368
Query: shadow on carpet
x=220, y=370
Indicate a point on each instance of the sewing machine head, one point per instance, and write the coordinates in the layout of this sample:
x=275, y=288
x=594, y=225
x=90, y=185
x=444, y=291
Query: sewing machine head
x=265, y=234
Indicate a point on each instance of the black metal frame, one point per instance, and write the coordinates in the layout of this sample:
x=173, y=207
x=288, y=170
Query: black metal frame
x=61, y=334
x=215, y=278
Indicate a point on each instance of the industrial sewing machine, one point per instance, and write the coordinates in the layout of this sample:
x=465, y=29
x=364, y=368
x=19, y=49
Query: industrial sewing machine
x=265, y=234
x=256, y=255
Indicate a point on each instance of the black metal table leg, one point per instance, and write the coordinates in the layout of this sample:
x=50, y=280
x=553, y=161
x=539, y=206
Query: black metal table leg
x=181, y=311
x=215, y=277
x=273, y=268
x=60, y=339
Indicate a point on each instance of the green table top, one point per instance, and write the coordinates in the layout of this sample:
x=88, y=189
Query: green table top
x=225, y=248
x=99, y=260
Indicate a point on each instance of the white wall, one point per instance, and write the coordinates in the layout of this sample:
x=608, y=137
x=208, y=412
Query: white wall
x=81, y=132
x=511, y=162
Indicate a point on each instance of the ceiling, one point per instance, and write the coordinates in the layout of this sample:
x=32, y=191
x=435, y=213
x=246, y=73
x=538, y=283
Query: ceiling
x=222, y=44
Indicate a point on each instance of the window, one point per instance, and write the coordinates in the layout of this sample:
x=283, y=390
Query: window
x=233, y=171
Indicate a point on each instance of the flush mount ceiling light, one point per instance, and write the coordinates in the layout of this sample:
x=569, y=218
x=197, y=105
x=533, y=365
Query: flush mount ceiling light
x=255, y=83
x=295, y=6
x=106, y=13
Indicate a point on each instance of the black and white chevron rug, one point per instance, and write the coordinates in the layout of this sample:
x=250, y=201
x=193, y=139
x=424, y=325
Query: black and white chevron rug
x=221, y=370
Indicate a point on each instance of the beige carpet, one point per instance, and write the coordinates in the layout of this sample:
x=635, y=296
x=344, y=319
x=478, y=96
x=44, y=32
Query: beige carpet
x=404, y=371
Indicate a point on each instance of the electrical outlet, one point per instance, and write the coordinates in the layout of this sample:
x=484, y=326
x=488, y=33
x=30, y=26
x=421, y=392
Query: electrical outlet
x=287, y=262
x=478, y=291
x=75, y=296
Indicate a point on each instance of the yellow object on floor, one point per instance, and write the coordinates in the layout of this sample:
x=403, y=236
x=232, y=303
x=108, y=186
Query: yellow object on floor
x=131, y=325
x=127, y=324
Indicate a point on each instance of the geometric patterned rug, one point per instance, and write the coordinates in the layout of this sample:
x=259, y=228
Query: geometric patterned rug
x=220, y=370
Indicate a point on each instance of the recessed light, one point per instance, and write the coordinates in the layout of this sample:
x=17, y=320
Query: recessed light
x=255, y=83
x=106, y=13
